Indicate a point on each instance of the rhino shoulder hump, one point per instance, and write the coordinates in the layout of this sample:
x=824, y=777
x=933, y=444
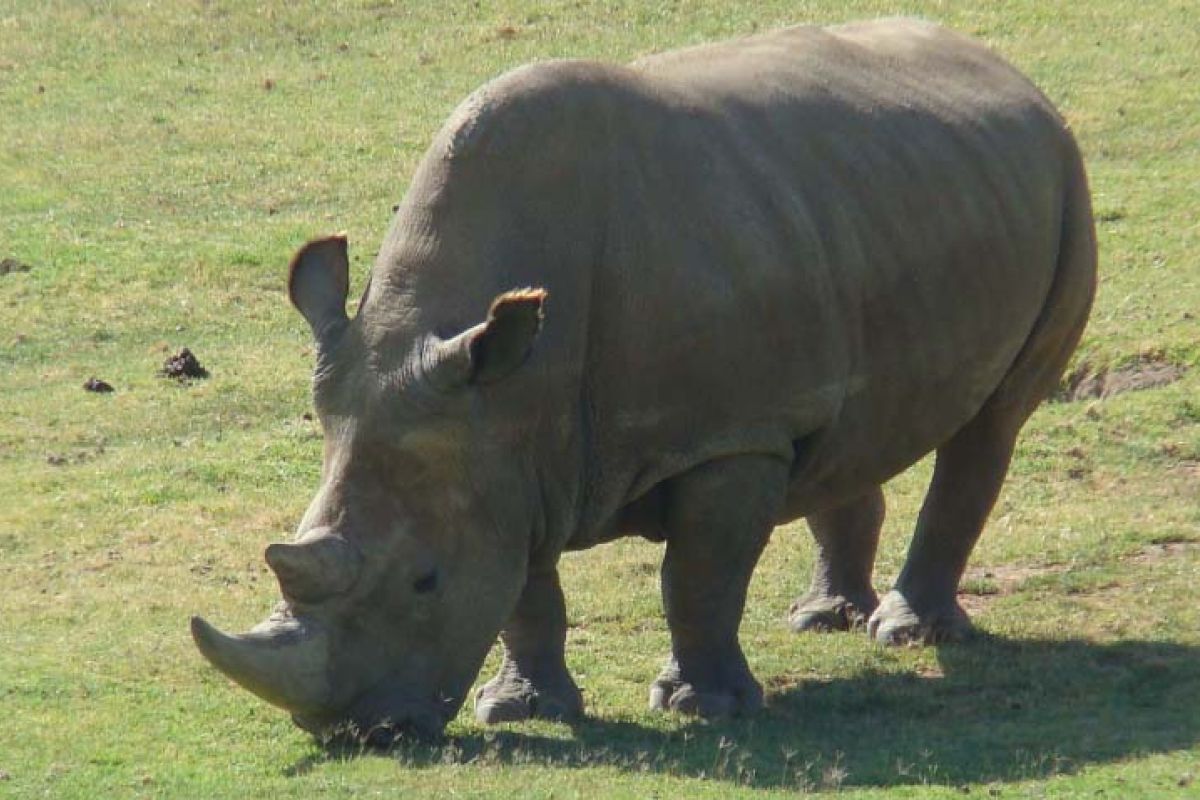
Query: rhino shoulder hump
x=509, y=109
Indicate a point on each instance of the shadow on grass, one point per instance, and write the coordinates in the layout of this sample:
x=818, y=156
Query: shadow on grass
x=1002, y=710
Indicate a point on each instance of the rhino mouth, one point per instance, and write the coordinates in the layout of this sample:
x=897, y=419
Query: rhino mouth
x=381, y=719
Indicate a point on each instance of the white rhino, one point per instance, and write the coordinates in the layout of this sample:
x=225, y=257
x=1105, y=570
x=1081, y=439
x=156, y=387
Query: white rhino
x=729, y=286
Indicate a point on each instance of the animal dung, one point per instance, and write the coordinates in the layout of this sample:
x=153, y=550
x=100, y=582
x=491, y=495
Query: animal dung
x=183, y=365
x=9, y=265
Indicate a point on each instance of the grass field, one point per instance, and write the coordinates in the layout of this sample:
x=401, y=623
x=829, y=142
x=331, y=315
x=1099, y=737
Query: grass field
x=159, y=162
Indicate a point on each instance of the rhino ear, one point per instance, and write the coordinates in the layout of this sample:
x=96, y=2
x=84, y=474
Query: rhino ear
x=492, y=349
x=318, y=282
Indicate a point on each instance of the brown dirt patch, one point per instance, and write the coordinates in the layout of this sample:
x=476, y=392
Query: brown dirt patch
x=1165, y=548
x=1008, y=578
x=1189, y=469
x=1088, y=383
x=980, y=585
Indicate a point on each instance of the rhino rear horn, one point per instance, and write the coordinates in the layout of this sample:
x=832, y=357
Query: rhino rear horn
x=315, y=568
x=318, y=282
x=494, y=348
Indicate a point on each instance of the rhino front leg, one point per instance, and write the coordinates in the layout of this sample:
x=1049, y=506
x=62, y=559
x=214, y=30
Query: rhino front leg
x=970, y=468
x=841, y=596
x=718, y=519
x=533, y=680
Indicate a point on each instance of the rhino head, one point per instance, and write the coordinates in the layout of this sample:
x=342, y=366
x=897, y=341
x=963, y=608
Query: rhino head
x=408, y=560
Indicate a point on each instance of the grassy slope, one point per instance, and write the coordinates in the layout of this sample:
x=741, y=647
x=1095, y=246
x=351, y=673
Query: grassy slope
x=160, y=162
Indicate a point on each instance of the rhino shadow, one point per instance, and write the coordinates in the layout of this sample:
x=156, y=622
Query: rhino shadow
x=1000, y=710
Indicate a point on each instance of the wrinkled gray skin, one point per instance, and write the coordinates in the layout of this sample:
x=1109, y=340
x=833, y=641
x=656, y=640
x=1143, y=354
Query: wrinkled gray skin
x=755, y=280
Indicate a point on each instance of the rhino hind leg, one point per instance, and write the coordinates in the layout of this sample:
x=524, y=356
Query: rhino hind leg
x=972, y=465
x=718, y=519
x=533, y=680
x=840, y=596
x=968, y=473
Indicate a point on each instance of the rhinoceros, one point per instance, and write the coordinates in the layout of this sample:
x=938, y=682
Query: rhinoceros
x=688, y=299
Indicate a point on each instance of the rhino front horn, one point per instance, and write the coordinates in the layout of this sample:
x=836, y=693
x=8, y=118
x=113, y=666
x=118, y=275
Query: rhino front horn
x=316, y=567
x=285, y=662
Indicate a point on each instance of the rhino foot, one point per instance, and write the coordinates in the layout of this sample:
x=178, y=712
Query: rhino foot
x=509, y=697
x=822, y=612
x=710, y=694
x=895, y=622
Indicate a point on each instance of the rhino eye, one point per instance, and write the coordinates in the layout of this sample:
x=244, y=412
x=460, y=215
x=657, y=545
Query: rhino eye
x=426, y=583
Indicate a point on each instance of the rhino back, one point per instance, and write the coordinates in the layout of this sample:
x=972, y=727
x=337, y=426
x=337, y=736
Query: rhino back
x=829, y=245
x=825, y=244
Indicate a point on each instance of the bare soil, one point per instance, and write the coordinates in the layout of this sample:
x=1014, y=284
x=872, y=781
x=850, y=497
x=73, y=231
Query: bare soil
x=1169, y=547
x=981, y=585
x=1086, y=383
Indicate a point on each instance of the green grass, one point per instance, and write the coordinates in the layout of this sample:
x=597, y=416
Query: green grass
x=159, y=164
